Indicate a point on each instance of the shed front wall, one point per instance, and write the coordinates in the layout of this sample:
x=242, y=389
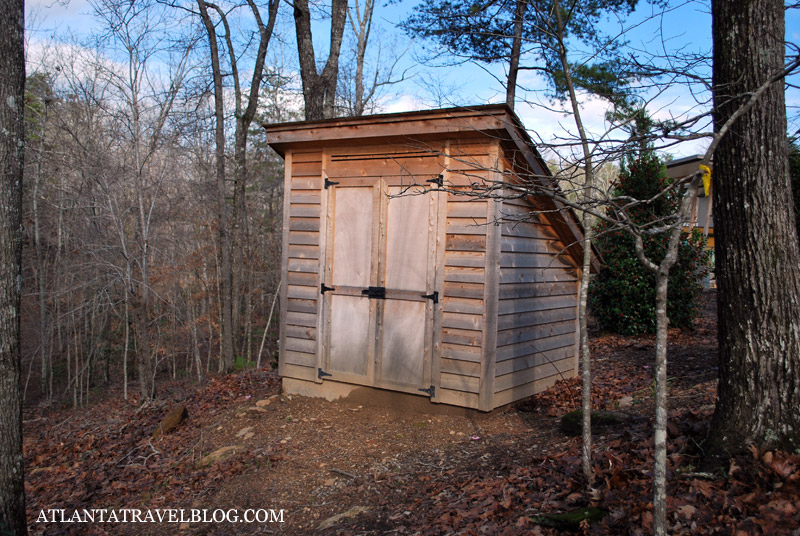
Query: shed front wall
x=504, y=324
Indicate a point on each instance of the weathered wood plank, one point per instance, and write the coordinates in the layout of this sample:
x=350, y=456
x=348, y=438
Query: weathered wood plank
x=527, y=245
x=461, y=352
x=291, y=370
x=303, y=238
x=463, y=290
x=529, y=290
x=540, y=331
x=305, y=197
x=535, y=346
x=458, y=274
x=303, y=293
x=461, y=368
x=473, y=209
x=301, y=345
x=303, y=279
x=306, y=156
x=307, y=183
x=309, y=266
x=466, y=226
x=542, y=303
x=523, y=230
x=534, y=275
x=458, y=398
x=301, y=319
x=304, y=211
x=557, y=368
x=470, y=259
x=535, y=318
x=303, y=252
x=300, y=358
x=461, y=336
x=532, y=260
x=523, y=391
x=301, y=306
x=304, y=224
x=462, y=321
x=301, y=332
x=459, y=383
x=306, y=169
x=510, y=366
x=462, y=305
x=462, y=242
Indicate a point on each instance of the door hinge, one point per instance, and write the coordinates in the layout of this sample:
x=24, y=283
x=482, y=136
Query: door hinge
x=329, y=183
x=323, y=288
x=321, y=373
x=438, y=180
x=375, y=292
x=432, y=296
x=431, y=391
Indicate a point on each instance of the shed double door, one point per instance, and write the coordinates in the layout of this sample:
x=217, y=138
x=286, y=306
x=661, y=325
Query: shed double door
x=378, y=285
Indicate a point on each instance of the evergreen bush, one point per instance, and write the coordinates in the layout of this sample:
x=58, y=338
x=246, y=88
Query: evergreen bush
x=622, y=295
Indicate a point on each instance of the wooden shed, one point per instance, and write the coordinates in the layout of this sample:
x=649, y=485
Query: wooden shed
x=397, y=276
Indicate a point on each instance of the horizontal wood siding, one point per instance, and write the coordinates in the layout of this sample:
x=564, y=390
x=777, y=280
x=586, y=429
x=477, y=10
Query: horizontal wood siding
x=299, y=344
x=537, y=308
x=464, y=276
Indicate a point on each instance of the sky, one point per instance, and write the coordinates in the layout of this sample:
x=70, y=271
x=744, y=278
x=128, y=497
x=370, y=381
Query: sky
x=687, y=26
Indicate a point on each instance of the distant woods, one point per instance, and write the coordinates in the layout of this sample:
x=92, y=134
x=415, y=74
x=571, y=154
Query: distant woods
x=152, y=206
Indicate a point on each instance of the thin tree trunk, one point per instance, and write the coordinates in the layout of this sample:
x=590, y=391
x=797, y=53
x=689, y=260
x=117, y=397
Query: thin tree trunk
x=226, y=318
x=588, y=185
x=12, y=136
x=40, y=262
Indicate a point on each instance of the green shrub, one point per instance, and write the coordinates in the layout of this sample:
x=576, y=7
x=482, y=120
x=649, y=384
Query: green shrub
x=622, y=295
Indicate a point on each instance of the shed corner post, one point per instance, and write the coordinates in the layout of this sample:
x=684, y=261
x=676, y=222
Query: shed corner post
x=323, y=269
x=491, y=288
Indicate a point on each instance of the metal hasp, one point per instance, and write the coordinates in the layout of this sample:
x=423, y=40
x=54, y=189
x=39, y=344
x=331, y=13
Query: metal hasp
x=324, y=288
x=329, y=183
x=321, y=373
x=432, y=296
x=430, y=391
x=438, y=180
x=375, y=292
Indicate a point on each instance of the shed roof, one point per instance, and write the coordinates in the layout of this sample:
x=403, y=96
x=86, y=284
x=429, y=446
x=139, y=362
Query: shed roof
x=494, y=120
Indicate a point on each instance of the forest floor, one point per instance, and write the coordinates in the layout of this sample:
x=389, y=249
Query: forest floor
x=368, y=465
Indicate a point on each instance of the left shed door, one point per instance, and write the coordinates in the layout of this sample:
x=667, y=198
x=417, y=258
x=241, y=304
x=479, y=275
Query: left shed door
x=350, y=353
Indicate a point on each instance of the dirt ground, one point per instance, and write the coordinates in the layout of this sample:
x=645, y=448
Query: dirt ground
x=375, y=463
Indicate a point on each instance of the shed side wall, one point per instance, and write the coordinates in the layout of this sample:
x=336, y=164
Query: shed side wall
x=302, y=253
x=537, y=307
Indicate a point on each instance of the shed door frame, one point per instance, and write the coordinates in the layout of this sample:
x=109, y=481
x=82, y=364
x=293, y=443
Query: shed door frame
x=383, y=191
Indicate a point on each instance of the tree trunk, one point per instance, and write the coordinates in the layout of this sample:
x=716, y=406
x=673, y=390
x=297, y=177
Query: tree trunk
x=12, y=87
x=226, y=354
x=758, y=274
x=516, y=48
x=319, y=90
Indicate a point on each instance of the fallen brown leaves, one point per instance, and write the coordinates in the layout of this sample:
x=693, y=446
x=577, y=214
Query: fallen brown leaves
x=104, y=457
